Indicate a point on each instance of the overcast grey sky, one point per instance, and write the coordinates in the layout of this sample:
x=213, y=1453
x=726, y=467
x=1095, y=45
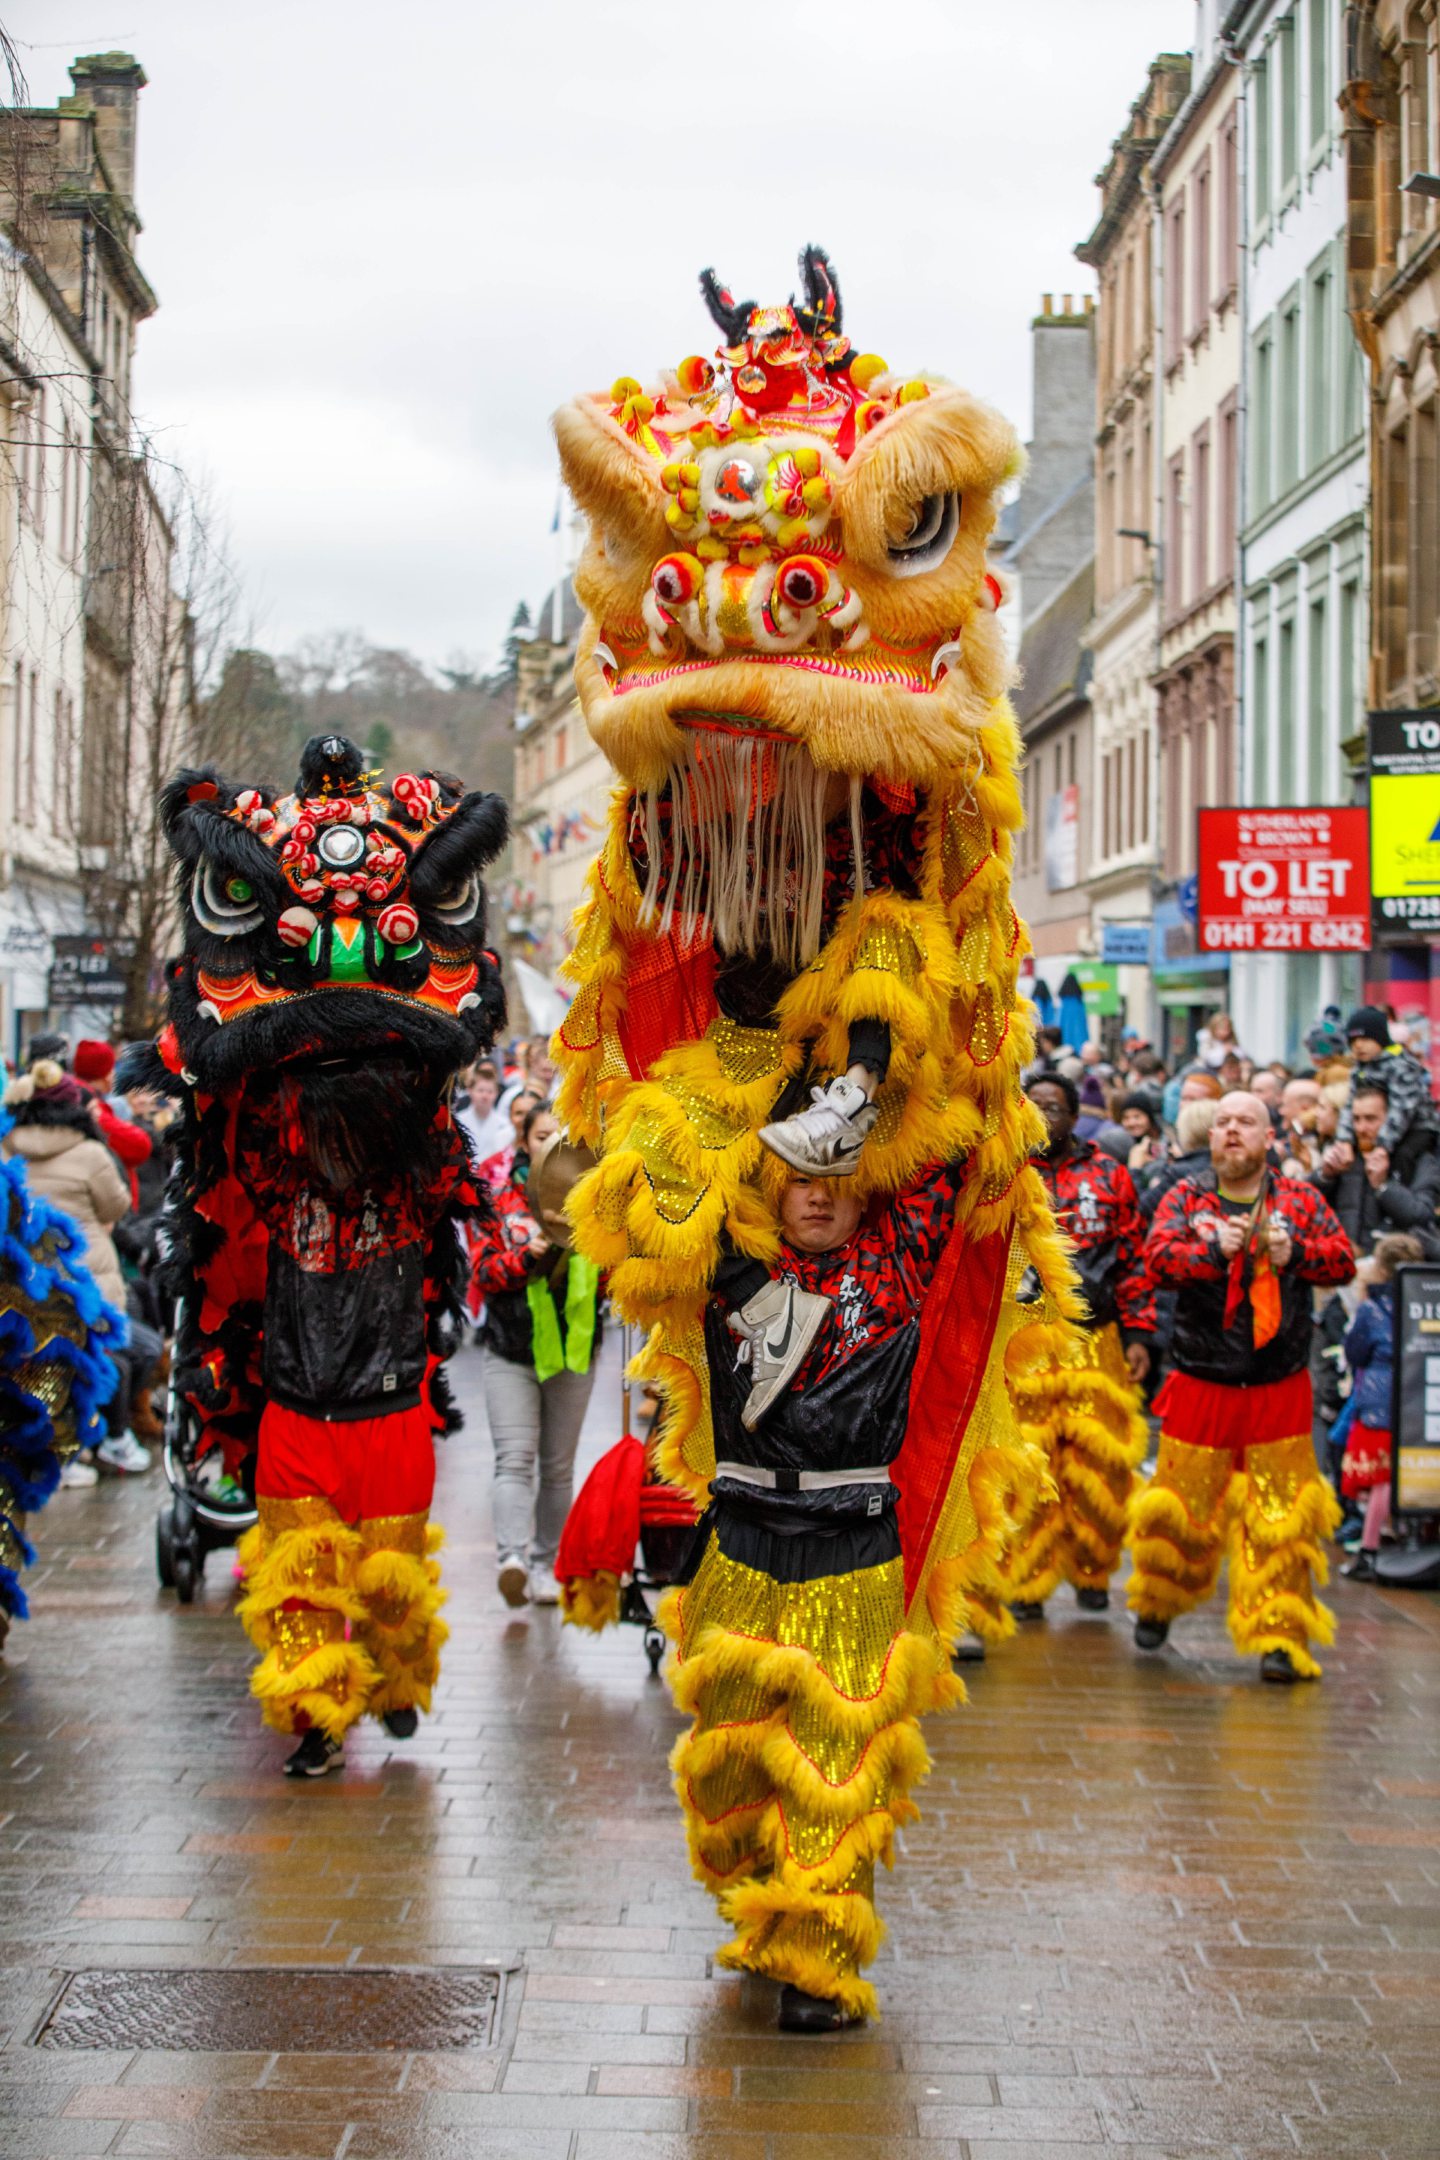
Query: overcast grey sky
x=389, y=240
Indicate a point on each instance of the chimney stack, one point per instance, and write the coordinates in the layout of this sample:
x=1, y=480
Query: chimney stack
x=112, y=83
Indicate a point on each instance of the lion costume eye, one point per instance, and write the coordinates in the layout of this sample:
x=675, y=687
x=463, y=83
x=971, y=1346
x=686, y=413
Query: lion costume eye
x=224, y=902
x=458, y=903
x=921, y=535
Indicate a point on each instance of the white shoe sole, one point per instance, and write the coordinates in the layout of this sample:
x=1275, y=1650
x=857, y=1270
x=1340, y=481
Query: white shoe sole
x=775, y=1138
x=318, y=1770
x=513, y=1585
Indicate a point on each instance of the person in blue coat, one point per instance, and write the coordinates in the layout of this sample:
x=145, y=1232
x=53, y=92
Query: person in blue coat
x=1370, y=1354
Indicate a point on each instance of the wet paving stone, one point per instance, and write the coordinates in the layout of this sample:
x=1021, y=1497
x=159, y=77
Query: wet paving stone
x=1151, y=1907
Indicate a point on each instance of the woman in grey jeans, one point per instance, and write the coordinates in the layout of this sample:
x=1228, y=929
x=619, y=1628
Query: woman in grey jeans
x=541, y=1333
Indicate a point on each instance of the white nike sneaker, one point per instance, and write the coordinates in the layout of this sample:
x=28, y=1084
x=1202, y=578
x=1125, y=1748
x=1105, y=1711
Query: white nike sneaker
x=776, y=1328
x=826, y=1139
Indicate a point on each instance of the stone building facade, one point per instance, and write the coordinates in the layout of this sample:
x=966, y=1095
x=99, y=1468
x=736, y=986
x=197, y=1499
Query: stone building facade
x=1195, y=195
x=85, y=593
x=562, y=793
x=1391, y=105
x=1124, y=823
x=1048, y=556
x=1304, y=473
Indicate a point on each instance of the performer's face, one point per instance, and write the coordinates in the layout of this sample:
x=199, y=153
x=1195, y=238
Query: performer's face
x=819, y=1214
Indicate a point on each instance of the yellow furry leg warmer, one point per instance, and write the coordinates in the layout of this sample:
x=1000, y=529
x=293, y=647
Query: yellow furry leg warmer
x=1083, y=1409
x=398, y=1581
x=298, y=1566
x=1276, y=1556
x=1178, y=1526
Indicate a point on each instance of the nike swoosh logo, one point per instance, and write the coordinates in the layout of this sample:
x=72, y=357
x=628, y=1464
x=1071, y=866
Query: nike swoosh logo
x=778, y=1349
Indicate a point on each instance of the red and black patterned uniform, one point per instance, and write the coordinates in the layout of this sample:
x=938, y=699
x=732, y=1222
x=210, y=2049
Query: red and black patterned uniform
x=848, y=1405
x=1237, y=1462
x=1085, y=1411
x=794, y=1778
x=1095, y=1204
x=334, y=978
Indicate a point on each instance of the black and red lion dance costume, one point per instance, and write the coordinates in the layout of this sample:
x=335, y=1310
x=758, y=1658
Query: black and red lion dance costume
x=334, y=978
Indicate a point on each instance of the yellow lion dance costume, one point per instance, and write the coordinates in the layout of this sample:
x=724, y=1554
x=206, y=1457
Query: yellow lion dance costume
x=792, y=658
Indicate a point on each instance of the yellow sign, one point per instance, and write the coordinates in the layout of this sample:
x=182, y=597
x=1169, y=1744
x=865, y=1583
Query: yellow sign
x=1419, y=1478
x=1404, y=834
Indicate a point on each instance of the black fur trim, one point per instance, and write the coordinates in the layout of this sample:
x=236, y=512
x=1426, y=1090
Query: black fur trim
x=330, y=764
x=731, y=318
x=58, y=1116
x=140, y=1065
x=471, y=837
x=821, y=312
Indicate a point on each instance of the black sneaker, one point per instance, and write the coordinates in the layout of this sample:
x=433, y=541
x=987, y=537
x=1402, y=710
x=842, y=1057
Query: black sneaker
x=1027, y=1608
x=1279, y=1667
x=402, y=1724
x=1150, y=1634
x=1361, y=1568
x=802, y=2013
x=316, y=1754
x=1093, y=1600
x=970, y=1649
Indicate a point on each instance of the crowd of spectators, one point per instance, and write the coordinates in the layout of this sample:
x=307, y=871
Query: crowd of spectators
x=99, y=1153
x=1357, y=1119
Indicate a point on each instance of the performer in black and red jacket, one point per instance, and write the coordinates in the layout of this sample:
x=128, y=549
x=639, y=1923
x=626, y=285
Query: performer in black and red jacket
x=1086, y=1412
x=1243, y=1248
x=794, y=1654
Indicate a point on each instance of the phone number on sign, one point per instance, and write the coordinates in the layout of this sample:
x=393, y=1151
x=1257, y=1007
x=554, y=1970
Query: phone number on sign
x=1420, y=908
x=1285, y=936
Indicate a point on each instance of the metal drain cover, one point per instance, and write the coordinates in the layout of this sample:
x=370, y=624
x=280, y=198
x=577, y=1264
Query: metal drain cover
x=283, y=2009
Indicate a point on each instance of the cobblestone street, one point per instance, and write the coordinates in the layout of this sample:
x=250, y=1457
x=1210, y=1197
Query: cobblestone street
x=1151, y=1904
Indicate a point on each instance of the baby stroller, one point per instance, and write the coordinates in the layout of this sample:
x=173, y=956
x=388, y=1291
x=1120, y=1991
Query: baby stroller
x=667, y=1526
x=627, y=1535
x=207, y=1508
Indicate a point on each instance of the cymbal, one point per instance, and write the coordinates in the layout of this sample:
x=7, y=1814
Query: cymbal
x=556, y=1167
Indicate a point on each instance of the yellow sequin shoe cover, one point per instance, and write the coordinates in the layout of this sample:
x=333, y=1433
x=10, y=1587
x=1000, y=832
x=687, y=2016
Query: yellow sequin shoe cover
x=1272, y=1511
x=1083, y=1410
x=346, y=1617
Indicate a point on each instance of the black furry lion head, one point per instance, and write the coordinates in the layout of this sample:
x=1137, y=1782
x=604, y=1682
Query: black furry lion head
x=343, y=920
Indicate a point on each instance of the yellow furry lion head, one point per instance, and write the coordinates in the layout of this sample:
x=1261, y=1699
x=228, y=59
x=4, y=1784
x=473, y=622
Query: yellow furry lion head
x=788, y=540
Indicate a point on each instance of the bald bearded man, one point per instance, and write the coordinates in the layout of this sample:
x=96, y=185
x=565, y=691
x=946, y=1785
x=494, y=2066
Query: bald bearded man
x=1243, y=1249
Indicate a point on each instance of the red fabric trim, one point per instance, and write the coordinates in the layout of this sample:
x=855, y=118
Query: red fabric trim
x=666, y=1504
x=603, y=1526
x=957, y=1328
x=669, y=997
x=1204, y=1414
x=364, y=1466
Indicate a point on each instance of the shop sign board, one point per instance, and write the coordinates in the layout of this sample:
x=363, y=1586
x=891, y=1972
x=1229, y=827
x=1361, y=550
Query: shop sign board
x=1125, y=944
x=1405, y=822
x=1101, y=987
x=89, y=970
x=1415, y=1416
x=1284, y=880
